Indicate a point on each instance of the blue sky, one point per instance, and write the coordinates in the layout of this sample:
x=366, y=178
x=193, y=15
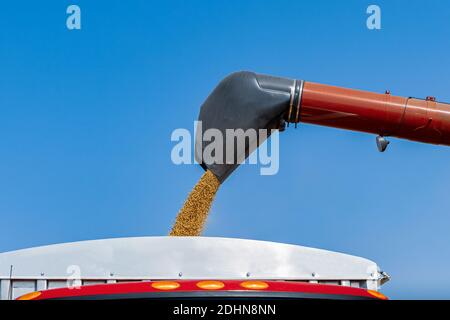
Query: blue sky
x=86, y=118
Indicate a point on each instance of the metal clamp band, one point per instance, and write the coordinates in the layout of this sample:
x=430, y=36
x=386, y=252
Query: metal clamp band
x=299, y=103
x=295, y=102
x=291, y=102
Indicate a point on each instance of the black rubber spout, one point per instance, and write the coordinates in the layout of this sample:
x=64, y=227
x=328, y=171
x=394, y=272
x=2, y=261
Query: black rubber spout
x=243, y=100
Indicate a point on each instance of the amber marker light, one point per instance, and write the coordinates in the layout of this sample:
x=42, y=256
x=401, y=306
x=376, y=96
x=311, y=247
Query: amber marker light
x=30, y=296
x=254, y=285
x=210, y=285
x=377, y=294
x=165, y=285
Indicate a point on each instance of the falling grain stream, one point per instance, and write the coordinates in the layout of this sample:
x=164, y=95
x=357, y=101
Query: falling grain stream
x=192, y=217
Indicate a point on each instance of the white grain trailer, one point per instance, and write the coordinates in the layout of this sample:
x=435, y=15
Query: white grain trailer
x=158, y=258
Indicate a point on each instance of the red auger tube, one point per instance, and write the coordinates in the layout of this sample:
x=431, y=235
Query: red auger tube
x=384, y=114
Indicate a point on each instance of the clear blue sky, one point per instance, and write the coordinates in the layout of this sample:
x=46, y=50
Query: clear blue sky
x=86, y=118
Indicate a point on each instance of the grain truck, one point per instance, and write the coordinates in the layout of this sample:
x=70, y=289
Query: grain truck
x=185, y=267
x=200, y=267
